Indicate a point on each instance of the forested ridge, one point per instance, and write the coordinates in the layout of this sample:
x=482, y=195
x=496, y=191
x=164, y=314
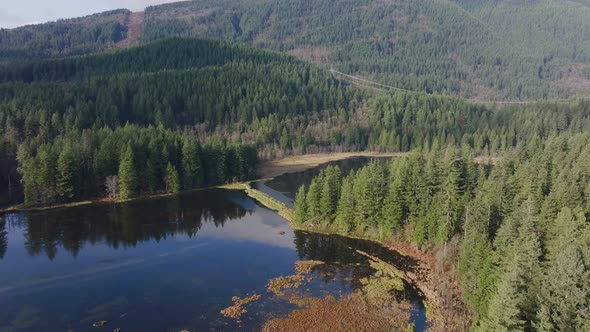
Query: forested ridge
x=59, y=117
x=209, y=89
x=432, y=46
x=488, y=50
x=64, y=37
x=483, y=49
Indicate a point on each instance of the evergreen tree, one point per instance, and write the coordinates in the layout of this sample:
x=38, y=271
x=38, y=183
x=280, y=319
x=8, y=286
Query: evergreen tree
x=300, y=208
x=191, y=164
x=67, y=175
x=127, y=175
x=394, y=209
x=172, y=179
x=346, y=207
x=330, y=193
x=313, y=197
x=505, y=311
x=565, y=290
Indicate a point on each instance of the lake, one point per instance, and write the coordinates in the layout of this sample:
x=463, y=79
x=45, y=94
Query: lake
x=164, y=264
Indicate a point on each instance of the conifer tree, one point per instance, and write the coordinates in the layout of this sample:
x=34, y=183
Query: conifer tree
x=67, y=174
x=313, y=197
x=172, y=179
x=127, y=175
x=394, y=209
x=505, y=311
x=330, y=192
x=346, y=206
x=300, y=206
x=191, y=164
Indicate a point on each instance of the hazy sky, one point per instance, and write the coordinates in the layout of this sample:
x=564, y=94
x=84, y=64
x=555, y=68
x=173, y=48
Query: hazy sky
x=15, y=13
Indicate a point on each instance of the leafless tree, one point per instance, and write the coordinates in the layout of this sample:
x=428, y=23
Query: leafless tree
x=112, y=186
x=168, y=182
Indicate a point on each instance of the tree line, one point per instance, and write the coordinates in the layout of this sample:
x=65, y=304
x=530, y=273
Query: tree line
x=206, y=88
x=126, y=162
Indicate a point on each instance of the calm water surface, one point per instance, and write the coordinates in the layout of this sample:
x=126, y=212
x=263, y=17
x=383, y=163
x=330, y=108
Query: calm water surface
x=284, y=188
x=163, y=264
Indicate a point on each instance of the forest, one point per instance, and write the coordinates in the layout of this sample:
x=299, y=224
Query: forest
x=484, y=50
x=64, y=37
x=481, y=49
x=205, y=97
x=215, y=91
x=517, y=224
x=71, y=129
x=126, y=162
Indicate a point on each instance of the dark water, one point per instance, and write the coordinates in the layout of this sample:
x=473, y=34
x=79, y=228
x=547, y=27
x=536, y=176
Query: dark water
x=163, y=264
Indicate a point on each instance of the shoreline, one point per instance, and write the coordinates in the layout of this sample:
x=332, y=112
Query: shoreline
x=268, y=169
x=439, y=316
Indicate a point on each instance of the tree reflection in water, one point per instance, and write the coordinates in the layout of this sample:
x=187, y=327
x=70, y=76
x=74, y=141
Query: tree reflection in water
x=121, y=225
x=3, y=239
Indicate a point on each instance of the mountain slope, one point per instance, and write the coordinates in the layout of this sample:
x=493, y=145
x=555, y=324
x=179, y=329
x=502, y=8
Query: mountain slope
x=479, y=49
x=486, y=49
x=72, y=122
x=65, y=37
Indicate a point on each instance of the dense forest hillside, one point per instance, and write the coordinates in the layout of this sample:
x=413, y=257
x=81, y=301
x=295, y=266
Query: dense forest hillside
x=487, y=50
x=215, y=91
x=165, y=107
x=64, y=37
x=500, y=194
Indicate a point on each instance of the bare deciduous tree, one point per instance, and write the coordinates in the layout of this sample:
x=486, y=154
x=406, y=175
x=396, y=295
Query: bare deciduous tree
x=112, y=186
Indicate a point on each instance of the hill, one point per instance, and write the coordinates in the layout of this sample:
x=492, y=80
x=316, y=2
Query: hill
x=483, y=49
x=147, y=100
x=65, y=37
x=487, y=50
x=144, y=102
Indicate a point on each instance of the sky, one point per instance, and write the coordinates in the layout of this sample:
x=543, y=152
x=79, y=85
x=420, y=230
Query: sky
x=14, y=13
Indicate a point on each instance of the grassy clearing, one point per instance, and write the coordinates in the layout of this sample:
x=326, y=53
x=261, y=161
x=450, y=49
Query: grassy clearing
x=292, y=164
x=264, y=199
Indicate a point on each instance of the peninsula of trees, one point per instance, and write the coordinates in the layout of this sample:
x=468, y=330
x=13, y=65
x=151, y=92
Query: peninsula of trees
x=521, y=222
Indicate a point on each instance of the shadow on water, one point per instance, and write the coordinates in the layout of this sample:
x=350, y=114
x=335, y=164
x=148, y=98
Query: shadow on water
x=122, y=225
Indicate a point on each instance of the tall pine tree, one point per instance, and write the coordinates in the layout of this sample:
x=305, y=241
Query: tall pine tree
x=127, y=175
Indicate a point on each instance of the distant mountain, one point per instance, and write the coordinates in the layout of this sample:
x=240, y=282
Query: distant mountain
x=65, y=37
x=480, y=49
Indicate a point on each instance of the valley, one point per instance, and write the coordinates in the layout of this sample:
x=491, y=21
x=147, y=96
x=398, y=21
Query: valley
x=298, y=165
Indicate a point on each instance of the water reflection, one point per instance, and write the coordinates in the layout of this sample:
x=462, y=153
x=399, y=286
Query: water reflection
x=3, y=239
x=120, y=225
x=133, y=264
